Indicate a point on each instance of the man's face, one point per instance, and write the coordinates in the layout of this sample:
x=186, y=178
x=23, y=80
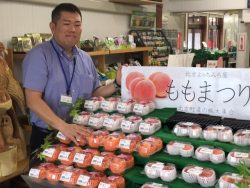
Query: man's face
x=67, y=30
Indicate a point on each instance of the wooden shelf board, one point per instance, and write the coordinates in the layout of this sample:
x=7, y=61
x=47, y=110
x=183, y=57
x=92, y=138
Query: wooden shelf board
x=130, y=50
x=97, y=53
x=22, y=167
x=137, y=2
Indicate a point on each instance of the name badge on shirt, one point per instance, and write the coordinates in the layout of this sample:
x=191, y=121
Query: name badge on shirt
x=66, y=100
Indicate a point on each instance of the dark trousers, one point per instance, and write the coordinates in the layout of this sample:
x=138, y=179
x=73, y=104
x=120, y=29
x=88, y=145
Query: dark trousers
x=36, y=140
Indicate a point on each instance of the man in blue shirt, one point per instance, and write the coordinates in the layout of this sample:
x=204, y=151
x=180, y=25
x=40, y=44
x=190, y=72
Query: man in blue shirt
x=56, y=73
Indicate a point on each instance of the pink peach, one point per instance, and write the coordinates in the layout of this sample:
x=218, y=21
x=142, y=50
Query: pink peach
x=131, y=76
x=144, y=90
x=133, y=84
x=162, y=82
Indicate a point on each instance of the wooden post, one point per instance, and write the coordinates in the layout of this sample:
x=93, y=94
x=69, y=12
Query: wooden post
x=159, y=16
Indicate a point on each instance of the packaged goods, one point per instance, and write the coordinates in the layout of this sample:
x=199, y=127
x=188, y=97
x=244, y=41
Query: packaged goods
x=93, y=104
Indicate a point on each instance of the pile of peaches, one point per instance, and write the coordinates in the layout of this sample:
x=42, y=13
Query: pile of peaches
x=147, y=89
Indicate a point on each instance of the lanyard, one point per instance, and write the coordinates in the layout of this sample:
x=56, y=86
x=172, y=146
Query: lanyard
x=70, y=82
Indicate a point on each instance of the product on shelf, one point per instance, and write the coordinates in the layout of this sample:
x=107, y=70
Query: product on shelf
x=131, y=124
x=93, y=104
x=91, y=180
x=97, y=138
x=204, y=176
x=113, y=182
x=168, y=173
x=83, y=159
x=125, y=107
x=102, y=162
x=156, y=39
x=153, y=169
x=110, y=104
x=153, y=185
x=206, y=153
x=53, y=175
x=149, y=146
x=242, y=137
x=180, y=148
x=149, y=126
x=40, y=171
x=66, y=156
x=229, y=180
x=82, y=118
x=235, y=157
x=111, y=142
x=96, y=120
x=63, y=139
x=143, y=108
x=51, y=153
x=129, y=143
x=218, y=132
x=121, y=163
x=156, y=169
x=113, y=122
x=70, y=177
x=193, y=130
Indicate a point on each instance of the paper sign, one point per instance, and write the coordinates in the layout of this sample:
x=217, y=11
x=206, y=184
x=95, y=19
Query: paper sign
x=223, y=92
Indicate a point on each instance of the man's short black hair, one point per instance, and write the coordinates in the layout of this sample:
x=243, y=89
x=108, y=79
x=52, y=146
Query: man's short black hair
x=66, y=7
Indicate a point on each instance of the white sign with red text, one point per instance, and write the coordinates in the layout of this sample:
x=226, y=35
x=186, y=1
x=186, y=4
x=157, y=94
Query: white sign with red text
x=214, y=91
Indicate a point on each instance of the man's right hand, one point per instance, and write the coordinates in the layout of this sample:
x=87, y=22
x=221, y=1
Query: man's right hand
x=72, y=131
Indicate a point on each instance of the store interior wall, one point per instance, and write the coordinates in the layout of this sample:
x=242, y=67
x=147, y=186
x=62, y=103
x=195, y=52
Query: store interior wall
x=205, y=5
x=18, y=18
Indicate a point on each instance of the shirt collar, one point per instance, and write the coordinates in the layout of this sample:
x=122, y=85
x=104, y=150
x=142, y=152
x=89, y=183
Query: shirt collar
x=61, y=51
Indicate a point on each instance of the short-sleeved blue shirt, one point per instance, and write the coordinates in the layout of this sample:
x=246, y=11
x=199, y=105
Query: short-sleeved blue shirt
x=42, y=72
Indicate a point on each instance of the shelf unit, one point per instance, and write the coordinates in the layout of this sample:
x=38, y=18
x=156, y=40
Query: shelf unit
x=100, y=55
x=138, y=2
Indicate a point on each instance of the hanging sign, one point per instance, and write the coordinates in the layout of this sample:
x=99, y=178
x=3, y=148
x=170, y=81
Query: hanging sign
x=214, y=91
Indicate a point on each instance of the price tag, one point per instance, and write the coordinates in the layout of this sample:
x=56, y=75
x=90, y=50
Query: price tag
x=103, y=185
x=124, y=143
x=49, y=152
x=97, y=160
x=64, y=155
x=205, y=150
x=187, y=123
x=195, y=170
x=178, y=145
x=78, y=119
x=108, y=122
x=241, y=155
x=83, y=180
x=138, y=108
x=88, y=104
x=126, y=125
x=79, y=158
x=34, y=173
x=66, y=176
x=61, y=136
x=122, y=107
x=246, y=132
x=145, y=127
x=105, y=104
x=93, y=121
x=157, y=184
x=158, y=166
